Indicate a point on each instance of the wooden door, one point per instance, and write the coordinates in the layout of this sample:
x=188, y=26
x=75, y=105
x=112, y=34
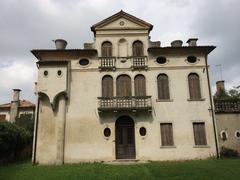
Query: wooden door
x=124, y=86
x=125, y=139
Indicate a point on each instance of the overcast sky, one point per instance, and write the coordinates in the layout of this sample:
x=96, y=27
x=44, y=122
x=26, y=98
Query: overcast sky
x=30, y=24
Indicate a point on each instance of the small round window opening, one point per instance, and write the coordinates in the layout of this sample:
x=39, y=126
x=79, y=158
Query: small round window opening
x=191, y=59
x=107, y=132
x=161, y=60
x=237, y=134
x=83, y=62
x=59, y=73
x=45, y=73
x=143, y=131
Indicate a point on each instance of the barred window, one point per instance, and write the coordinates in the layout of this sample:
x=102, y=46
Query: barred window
x=194, y=86
x=199, y=133
x=166, y=134
x=106, y=49
x=163, y=86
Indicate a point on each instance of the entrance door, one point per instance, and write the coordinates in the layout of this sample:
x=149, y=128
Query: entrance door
x=125, y=139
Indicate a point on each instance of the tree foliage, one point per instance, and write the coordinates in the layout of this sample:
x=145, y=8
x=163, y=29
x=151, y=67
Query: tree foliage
x=13, y=139
x=232, y=94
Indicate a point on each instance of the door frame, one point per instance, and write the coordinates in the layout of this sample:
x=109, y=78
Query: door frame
x=125, y=120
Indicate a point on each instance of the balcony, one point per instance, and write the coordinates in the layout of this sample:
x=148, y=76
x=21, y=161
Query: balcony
x=139, y=62
x=107, y=63
x=133, y=103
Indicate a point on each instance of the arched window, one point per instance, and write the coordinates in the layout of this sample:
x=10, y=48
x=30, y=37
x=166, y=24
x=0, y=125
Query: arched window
x=106, y=49
x=137, y=48
x=124, y=86
x=194, y=86
x=163, y=86
x=107, y=86
x=140, y=85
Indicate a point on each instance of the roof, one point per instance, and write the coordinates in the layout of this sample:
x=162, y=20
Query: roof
x=23, y=104
x=118, y=15
x=38, y=53
x=191, y=49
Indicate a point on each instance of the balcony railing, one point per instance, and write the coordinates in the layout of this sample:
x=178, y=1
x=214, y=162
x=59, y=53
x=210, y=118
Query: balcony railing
x=134, y=103
x=107, y=63
x=139, y=62
x=227, y=106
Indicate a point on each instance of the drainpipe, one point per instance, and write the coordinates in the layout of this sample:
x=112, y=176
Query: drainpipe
x=212, y=108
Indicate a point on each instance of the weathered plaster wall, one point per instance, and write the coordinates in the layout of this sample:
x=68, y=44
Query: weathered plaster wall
x=229, y=122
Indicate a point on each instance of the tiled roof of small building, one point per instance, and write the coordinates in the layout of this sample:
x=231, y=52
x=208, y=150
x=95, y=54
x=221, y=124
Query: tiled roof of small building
x=23, y=104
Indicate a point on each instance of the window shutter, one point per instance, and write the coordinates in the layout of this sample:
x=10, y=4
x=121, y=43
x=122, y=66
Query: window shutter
x=199, y=134
x=166, y=134
x=140, y=85
x=194, y=86
x=107, y=86
x=124, y=86
x=163, y=87
x=137, y=48
x=106, y=49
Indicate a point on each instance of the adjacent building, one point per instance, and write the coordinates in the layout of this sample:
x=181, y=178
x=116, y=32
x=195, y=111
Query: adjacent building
x=16, y=108
x=123, y=96
x=227, y=120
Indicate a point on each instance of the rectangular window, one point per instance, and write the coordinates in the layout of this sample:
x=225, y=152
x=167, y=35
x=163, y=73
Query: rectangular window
x=199, y=133
x=2, y=117
x=166, y=134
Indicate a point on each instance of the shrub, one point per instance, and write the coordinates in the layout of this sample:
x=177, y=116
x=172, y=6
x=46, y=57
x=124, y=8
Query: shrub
x=26, y=121
x=227, y=152
x=13, y=139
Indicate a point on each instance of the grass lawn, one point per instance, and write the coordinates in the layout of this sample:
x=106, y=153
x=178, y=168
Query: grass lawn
x=196, y=169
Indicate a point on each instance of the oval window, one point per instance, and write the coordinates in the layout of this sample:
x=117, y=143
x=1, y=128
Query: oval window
x=237, y=134
x=83, y=62
x=59, y=73
x=161, y=60
x=143, y=131
x=45, y=73
x=191, y=59
x=107, y=132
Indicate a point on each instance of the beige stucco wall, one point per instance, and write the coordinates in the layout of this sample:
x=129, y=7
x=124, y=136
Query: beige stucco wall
x=84, y=125
x=230, y=123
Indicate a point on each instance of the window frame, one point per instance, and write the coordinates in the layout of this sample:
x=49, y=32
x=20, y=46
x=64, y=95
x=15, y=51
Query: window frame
x=102, y=51
x=197, y=144
x=200, y=98
x=172, y=144
x=168, y=98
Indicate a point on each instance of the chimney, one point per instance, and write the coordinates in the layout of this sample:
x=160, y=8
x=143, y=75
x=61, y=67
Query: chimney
x=176, y=43
x=192, y=41
x=14, y=105
x=220, y=87
x=60, y=44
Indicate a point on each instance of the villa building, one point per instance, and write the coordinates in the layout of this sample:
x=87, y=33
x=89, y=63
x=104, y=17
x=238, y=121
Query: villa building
x=123, y=97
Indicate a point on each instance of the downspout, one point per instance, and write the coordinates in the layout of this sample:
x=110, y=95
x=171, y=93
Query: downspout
x=212, y=109
x=35, y=132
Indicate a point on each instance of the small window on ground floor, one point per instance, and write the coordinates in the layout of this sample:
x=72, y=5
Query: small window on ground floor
x=166, y=134
x=199, y=133
x=2, y=117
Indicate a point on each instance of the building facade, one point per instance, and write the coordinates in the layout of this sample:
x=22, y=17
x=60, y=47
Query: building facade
x=123, y=97
x=16, y=108
x=227, y=120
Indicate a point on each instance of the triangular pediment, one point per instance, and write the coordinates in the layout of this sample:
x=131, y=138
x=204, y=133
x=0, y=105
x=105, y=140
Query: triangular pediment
x=121, y=20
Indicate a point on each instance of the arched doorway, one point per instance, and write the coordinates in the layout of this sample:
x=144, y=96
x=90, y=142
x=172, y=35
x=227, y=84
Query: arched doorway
x=125, y=138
